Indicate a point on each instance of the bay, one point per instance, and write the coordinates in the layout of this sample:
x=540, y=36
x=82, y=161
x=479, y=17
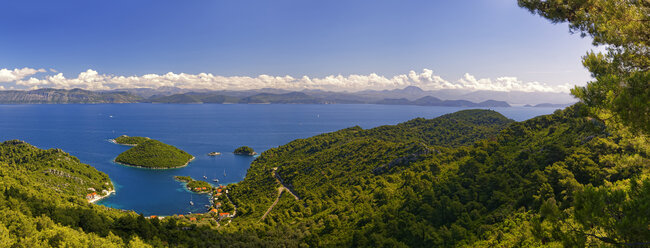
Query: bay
x=84, y=131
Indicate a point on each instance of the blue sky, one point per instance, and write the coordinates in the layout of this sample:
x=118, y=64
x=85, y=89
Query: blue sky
x=485, y=39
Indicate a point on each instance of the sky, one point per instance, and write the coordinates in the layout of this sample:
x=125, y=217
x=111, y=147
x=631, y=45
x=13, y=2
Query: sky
x=341, y=45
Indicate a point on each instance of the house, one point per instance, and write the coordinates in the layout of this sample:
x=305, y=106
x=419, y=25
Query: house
x=92, y=196
x=224, y=215
x=214, y=210
x=192, y=218
x=219, y=190
x=218, y=205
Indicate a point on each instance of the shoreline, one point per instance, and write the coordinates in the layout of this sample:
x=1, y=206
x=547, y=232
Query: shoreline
x=155, y=168
x=112, y=191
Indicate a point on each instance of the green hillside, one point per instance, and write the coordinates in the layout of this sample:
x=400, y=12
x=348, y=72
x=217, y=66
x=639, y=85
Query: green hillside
x=154, y=154
x=463, y=179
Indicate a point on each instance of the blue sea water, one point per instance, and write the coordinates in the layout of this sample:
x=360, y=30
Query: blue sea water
x=84, y=131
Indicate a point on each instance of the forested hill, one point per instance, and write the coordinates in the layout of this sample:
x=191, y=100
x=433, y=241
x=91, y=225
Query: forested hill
x=470, y=178
x=65, y=96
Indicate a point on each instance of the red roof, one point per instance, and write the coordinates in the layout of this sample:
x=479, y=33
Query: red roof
x=213, y=210
x=223, y=214
x=218, y=190
x=192, y=218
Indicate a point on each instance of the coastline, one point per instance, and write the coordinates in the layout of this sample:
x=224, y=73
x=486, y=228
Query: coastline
x=155, y=168
x=112, y=191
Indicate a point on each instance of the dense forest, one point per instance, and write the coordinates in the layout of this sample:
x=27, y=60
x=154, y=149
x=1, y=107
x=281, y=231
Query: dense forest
x=151, y=153
x=470, y=178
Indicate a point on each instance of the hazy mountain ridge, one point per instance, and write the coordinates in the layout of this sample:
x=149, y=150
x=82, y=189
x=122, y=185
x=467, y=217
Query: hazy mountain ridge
x=66, y=96
x=410, y=95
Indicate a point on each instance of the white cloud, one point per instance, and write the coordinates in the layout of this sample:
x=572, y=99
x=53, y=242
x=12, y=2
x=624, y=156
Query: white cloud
x=7, y=75
x=426, y=79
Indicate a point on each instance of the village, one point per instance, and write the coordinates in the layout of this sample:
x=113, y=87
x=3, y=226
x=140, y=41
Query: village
x=221, y=208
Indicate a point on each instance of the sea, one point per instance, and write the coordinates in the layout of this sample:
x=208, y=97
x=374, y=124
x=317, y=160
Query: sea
x=85, y=131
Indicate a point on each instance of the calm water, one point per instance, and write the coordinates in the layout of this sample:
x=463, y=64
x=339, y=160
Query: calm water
x=84, y=131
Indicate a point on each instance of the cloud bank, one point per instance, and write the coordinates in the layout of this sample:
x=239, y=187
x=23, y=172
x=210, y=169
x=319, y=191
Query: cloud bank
x=92, y=80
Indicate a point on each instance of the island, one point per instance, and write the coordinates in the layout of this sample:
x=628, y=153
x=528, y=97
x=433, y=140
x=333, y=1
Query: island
x=214, y=153
x=153, y=154
x=196, y=186
x=129, y=141
x=245, y=150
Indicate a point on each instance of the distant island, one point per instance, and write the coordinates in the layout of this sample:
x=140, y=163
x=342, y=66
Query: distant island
x=548, y=105
x=150, y=153
x=245, y=150
x=197, y=186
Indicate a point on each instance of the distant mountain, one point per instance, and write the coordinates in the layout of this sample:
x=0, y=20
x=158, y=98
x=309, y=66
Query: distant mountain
x=315, y=98
x=410, y=95
x=433, y=101
x=512, y=97
x=549, y=105
x=292, y=97
x=193, y=97
x=45, y=96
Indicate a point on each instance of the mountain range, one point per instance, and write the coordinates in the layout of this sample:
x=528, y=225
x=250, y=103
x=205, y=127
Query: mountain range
x=410, y=95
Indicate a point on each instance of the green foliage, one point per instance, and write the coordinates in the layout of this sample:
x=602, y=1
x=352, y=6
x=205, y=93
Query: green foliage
x=622, y=74
x=154, y=154
x=245, y=150
x=126, y=140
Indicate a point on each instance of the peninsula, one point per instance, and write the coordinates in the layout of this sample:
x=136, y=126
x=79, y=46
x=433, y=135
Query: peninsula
x=150, y=153
x=196, y=186
x=245, y=150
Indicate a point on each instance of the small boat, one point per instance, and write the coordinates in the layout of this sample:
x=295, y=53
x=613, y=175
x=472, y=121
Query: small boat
x=191, y=202
x=215, y=180
x=224, y=172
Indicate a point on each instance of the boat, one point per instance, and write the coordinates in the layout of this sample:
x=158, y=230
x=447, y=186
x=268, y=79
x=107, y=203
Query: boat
x=214, y=154
x=215, y=180
x=204, y=177
x=191, y=202
x=224, y=172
